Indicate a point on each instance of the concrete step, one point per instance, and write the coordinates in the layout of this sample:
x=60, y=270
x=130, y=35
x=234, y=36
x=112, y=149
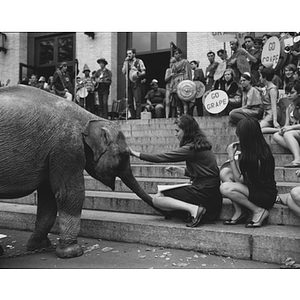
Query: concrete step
x=150, y=184
x=270, y=243
x=130, y=203
x=158, y=171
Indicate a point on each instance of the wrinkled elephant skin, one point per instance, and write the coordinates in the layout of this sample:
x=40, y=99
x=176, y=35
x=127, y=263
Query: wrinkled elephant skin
x=46, y=143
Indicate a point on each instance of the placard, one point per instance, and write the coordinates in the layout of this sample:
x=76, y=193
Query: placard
x=224, y=36
x=242, y=64
x=220, y=70
x=271, y=52
x=216, y=101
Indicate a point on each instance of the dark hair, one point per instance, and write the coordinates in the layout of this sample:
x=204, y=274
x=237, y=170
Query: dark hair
x=249, y=37
x=296, y=111
x=195, y=62
x=211, y=52
x=267, y=73
x=267, y=35
x=133, y=50
x=192, y=134
x=256, y=157
x=246, y=76
x=293, y=84
x=178, y=50
x=222, y=51
x=291, y=67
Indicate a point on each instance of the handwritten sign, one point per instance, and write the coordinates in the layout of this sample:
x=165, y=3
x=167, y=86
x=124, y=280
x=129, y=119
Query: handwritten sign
x=242, y=64
x=271, y=52
x=216, y=101
x=220, y=70
x=223, y=36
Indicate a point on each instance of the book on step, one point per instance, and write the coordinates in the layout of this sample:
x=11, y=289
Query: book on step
x=162, y=188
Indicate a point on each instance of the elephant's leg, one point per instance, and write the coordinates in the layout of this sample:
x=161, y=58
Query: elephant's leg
x=69, y=191
x=45, y=218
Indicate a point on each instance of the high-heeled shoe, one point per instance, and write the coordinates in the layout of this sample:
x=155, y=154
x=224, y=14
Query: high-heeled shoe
x=239, y=220
x=263, y=218
x=196, y=220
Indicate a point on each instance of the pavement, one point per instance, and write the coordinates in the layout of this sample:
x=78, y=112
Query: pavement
x=102, y=254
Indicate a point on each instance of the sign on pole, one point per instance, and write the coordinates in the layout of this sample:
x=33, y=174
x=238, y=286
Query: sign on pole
x=216, y=101
x=242, y=64
x=223, y=36
x=220, y=70
x=271, y=52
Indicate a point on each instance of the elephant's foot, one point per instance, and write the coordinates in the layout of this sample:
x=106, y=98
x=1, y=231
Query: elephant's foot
x=1, y=251
x=37, y=243
x=68, y=249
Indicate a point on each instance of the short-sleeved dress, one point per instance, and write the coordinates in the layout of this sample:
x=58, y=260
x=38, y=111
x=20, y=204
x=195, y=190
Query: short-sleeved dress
x=202, y=168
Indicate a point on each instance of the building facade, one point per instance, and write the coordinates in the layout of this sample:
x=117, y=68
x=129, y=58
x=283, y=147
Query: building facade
x=40, y=53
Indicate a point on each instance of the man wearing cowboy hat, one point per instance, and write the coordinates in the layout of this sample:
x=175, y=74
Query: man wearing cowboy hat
x=103, y=80
x=134, y=69
x=60, y=82
x=88, y=86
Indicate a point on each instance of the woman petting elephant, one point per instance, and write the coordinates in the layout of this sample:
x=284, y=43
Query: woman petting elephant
x=46, y=143
x=249, y=180
x=202, y=197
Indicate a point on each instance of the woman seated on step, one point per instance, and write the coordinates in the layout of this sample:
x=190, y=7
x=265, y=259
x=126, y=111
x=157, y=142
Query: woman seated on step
x=289, y=135
x=251, y=102
x=248, y=180
x=203, y=196
x=292, y=199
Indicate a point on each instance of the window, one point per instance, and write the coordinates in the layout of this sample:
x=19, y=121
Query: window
x=46, y=53
x=65, y=49
x=141, y=41
x=164, y=39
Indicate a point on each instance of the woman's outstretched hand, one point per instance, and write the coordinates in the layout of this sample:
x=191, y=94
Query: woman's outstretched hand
x=134, y=153
x=174, y=169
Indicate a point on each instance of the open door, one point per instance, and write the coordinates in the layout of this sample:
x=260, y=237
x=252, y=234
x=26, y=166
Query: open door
x=26, y=71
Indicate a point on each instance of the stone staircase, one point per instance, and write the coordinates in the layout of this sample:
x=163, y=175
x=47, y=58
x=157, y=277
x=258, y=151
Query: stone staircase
x=122, y=216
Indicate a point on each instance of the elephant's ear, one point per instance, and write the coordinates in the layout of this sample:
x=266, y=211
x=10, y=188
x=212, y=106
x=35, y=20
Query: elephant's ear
x=97, y=137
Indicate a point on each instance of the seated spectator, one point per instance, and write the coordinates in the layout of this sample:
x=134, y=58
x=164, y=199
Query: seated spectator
x=251, y=102
x=292, y=199
x=202, y=197
x=269, y=98
x=155, y=99
x=289, y=135
x=251, y=184
x=33, y=81
x=24, y=81
x=60, y=83
x=42, y=83
x=289, y=71
x=296, y=75
x=49, y=87
x=232, y=90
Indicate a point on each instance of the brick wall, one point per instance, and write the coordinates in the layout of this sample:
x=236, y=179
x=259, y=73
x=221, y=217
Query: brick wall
x=199, y=43
x=16, y=45
x=89, y=50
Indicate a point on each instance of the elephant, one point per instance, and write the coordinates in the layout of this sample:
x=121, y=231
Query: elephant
x=46, y=143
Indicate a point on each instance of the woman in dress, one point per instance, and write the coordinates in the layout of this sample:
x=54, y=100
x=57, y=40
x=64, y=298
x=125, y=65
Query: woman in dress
x=269, y=123
x=202, y=197
x=251, y=102
x=251, y=185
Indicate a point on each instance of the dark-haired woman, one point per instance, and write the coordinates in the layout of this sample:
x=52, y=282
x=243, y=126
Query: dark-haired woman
x=251, y=185
x=251, y=102
x=203, y=196
x=289, y=135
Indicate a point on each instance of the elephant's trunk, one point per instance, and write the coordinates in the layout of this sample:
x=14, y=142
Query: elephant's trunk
x=132, y=183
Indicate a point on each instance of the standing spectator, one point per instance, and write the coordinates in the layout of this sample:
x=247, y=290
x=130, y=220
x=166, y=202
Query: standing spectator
x=265, y=37
x=210, y=70
x=203, y=196
x=135, y=73
x=289, y=135
x=168, y=77
x=59, y=82
x=251, y=184
x=253, y=56
x=251, y=102
x=103, y=77
x=181, y=70
x=289, y=71
x=269, y=98
x=232, y=62
x=198, y=75
x=155, y=99
x=88, y=85
x=223, y=55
